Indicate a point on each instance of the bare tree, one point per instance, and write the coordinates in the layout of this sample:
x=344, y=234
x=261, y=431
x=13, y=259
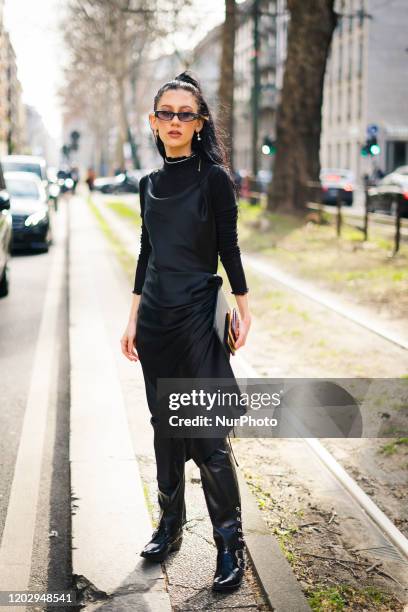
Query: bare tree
x=88, y=95
x=298, y=122
x=107, y=41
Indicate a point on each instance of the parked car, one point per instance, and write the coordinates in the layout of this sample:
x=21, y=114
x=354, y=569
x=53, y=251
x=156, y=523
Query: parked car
x=126, y=182
x=30, y=211
x=337, y=182
x=6, y=233
x=390, y=190
x=401, y=170
x=27, y=163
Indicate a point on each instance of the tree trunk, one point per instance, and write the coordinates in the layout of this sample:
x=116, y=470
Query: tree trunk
x=122, y=123
x=298, y=121
x=225, y=119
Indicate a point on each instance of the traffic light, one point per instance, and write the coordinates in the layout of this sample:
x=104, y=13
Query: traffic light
x=374, y=146
x=268, y=146
x=371, y=147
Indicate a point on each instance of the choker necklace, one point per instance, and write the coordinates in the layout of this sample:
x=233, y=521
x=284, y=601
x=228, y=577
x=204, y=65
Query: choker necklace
x=179, y=161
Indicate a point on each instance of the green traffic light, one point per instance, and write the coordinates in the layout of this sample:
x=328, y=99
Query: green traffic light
x=375, y=149
x=268, y=146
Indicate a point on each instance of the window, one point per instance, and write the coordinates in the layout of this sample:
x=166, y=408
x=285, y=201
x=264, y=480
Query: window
x=9, y=166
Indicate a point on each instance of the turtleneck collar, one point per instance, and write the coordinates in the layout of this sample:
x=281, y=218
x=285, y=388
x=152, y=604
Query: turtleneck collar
x=185, y=161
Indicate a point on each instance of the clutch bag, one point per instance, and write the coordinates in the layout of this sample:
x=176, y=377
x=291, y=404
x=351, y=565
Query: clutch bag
x=226, y=322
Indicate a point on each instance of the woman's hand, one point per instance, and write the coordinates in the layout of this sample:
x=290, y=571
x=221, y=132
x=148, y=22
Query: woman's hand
x=243, y=329
x=128, y=341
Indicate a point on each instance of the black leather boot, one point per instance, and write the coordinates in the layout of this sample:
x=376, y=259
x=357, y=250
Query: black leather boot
x=168, y=535
x=223, y=500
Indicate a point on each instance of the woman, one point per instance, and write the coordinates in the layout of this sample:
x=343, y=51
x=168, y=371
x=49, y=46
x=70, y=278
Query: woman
x=189, y=213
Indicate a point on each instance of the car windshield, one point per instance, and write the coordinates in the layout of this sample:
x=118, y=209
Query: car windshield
x=9, y=166
x=22, y=189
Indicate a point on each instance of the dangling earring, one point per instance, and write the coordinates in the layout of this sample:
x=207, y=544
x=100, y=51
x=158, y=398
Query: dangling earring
x=198, y=136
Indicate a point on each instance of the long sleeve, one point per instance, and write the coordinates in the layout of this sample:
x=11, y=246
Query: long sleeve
x=145, y=246
x=225, y=207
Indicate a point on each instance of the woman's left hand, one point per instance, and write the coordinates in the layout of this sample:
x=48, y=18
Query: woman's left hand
x=243, y=329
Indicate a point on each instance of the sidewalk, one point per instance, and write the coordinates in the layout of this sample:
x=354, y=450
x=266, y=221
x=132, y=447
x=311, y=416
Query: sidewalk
x=113, y=467
x=111, y=522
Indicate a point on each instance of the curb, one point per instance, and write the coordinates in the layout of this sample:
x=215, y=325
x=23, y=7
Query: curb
x=275, y=574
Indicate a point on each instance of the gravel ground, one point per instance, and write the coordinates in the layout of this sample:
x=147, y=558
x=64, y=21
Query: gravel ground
x=292, y=336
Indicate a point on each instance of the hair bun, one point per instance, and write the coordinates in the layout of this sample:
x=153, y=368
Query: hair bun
x=188, y=78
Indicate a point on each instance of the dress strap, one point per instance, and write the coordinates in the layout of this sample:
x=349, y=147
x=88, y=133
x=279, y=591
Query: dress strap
x=230, y=445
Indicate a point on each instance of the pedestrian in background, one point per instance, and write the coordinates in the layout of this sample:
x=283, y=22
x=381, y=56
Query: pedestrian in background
x=90, y=178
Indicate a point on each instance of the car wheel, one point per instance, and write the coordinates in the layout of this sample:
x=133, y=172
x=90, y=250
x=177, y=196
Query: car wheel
x=4, y=282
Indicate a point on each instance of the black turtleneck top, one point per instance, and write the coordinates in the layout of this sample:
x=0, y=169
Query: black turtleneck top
x=173, y=178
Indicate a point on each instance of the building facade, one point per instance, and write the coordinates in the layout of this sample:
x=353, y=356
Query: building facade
x=365, y=84
x=3, y=85
x=256, y=98
x=12, y=114
x=247, y=96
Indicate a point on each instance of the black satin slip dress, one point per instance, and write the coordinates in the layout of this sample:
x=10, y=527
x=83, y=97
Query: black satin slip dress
x=175, y=335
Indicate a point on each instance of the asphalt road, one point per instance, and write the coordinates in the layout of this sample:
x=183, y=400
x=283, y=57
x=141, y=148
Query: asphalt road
x=34, y=419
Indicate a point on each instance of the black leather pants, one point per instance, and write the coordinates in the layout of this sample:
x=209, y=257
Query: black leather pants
x=170, y=461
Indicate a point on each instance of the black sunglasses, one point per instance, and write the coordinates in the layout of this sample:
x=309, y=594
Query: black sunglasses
x=183, y=116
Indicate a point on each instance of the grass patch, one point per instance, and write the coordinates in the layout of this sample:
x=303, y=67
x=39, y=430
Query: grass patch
x=362, y=269
x=391, y=447
x=263, y=498
x=125, y=211
x=285, y=537
x=342, y=597
x=126, y=260
x=149, y=504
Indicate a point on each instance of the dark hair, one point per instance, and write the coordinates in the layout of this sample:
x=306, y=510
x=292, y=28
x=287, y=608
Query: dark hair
x=210, y=146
